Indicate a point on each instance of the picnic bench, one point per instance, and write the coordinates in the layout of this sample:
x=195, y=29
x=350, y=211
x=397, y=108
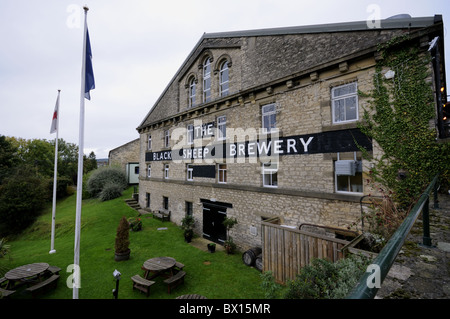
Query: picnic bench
x=161, y=214
x=43, y=286
x=4, y=293
x=142, y=284
x=175, y=280
x=178, y=266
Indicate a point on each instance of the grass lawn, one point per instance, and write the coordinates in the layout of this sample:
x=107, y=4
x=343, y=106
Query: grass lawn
x=216, y=276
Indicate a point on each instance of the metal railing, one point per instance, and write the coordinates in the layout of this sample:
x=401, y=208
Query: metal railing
x=366, y=289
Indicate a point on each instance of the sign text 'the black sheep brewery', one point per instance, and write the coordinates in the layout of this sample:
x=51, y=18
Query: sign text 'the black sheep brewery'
x=326, y=142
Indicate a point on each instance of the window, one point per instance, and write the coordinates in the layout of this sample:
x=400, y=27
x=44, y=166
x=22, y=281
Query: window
x=270, y=174
x=166, y=171
x=190, y=134
x=350, y=183
x=269, y=117
x=147, y=200
x=165, y=203
x=136, y=170
x=189, y=210
x=222, y=127
x=189, y=172
x=344, y=100
x=192, y=92
x=224, y=79
x=149, y=170
x=222, y=169
x=149, y=142
x=166, y=138
x=207, y=80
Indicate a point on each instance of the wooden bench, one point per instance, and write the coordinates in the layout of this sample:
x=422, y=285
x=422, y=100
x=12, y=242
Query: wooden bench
x=43, y=286
x=3, y=281
x=178, y=266
x=162, y=215
x=54, y=270
x=175, y=280
x=142, y=284
x=191, y=296
x=6, y=293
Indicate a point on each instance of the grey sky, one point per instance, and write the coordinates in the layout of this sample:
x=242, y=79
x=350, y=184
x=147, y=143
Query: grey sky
x=137, y=47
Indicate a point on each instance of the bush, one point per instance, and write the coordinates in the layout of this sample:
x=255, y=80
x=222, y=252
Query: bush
x=110, y=191
x=122, y=236
x=323, y=279
x=103, y=178
x=22, y=196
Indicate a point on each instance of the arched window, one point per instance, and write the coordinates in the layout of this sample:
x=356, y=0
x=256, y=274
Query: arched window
x=224, y=79
x=207, y=80
x=192, y=92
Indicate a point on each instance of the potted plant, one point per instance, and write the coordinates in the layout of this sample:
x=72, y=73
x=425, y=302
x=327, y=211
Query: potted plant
x=187, y=224
x=211, y=247
x=229, y=245
x=135, y=223
x=122, y=252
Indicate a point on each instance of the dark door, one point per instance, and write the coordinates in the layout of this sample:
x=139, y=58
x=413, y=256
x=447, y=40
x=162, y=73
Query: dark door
x=213, y=228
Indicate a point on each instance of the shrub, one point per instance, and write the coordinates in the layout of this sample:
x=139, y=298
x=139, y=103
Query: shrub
x=103, y=178
x=22, y=196
x=323, y=279
x=110, y=191
x=122, y=236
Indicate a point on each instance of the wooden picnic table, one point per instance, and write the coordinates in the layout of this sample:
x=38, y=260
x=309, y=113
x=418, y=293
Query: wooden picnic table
x=26, y=271
x=158, y=266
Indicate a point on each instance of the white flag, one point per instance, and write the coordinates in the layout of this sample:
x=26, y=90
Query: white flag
x=54, y=126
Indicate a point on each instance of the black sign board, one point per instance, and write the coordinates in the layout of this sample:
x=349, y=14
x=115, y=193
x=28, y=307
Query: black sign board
x=325, y=142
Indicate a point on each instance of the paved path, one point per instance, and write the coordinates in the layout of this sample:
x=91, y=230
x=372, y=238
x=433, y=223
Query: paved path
x=421, y=272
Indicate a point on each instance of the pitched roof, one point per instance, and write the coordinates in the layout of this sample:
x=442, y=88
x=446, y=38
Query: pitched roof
x=312, y=47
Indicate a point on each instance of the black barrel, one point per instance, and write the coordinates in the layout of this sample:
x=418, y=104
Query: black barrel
x=249, y=257
x=258, y=263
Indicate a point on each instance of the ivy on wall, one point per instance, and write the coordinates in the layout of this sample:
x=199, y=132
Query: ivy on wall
x=400, y=118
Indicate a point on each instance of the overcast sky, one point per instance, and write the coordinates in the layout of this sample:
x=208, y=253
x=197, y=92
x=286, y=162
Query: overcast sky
x=137, y=47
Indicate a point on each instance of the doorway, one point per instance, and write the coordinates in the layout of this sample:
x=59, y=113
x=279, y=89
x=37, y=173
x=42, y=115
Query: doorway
x=213, y=227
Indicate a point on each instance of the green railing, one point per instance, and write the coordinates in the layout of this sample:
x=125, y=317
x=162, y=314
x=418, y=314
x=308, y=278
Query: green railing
x=371, y=281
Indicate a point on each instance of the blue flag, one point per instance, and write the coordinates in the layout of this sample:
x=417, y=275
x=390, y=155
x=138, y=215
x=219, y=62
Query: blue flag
x=89, y=80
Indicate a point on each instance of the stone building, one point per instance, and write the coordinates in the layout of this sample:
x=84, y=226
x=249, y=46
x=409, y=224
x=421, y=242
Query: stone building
x=127, y=157
x=263, y=123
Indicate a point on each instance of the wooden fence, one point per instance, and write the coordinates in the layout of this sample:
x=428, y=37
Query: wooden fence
x=286, y=250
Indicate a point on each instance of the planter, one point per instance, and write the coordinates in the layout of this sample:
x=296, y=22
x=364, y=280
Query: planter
x=211, y=248
x=122, y=256
x=188, y=238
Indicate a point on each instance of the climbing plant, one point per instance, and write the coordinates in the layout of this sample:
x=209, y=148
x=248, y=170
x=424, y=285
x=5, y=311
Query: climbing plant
x=400, y=119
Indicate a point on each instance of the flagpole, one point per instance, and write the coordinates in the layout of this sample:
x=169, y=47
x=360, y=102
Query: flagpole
x=52, y=243
x=76, y=278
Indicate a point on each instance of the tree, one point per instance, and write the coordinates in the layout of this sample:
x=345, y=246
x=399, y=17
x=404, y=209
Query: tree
x=22, y=196
x=8, y=157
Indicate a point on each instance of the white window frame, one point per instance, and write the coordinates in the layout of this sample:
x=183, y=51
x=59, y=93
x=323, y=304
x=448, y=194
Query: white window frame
x=166, y=171
x=149, y=142
x=189, y=172
x=224, y=69
x=349, y=184
x=271, y=170
x=192, y=92
x=206, y=77
x=166, y=138
x=190, y=133
x=269, y=115
x=222, y=127
x=344, y=98
x=149, y=170
x=222, y=173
